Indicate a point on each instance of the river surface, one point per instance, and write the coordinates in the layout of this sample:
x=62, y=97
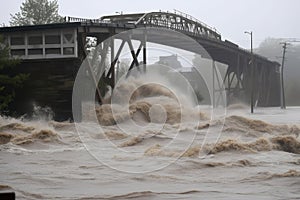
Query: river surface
x=255, y=156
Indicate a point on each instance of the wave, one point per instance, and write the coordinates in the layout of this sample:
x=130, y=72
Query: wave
x=157, y=150
x=142, y=195
x=17, y=127
x=107, y=116
x=281, y=143
x=290, y=173
x=133, y=141
x=61, y=125
x=243, y=124
x=5, y=138
x=251, y=127
x=239, y=163
x=202, y=126
x=114, y=135
x=268, y=175
x=140, y=138
x=286, y=143
x=143, y=102
x=23, y=139
x=138, y=90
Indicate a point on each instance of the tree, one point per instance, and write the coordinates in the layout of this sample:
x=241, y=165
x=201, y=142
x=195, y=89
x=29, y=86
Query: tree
x=271, y=48
x=34, y=12
x=9, y=82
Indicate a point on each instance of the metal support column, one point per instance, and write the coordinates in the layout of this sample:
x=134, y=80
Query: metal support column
x=113, y=62
x=145, y=51
x=214, y=87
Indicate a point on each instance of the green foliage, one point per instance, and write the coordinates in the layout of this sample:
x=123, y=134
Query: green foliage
x=34, y=12
x=8, y=82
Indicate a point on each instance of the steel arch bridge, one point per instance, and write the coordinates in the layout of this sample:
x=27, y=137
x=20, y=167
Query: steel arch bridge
x=238, y=77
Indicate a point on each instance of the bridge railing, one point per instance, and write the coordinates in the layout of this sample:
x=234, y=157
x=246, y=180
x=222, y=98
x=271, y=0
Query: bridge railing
x=190, y=25
x=76, y=19
x=179, y=21
x=177, y=12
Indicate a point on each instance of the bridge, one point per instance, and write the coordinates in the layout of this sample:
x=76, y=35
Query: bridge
x=67, y=41
x=238, y=76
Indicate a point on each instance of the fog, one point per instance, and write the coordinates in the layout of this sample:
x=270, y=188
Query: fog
x=272, y=49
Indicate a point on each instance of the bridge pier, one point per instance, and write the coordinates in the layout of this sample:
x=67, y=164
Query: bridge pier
x=218, y=87
x=110, y=77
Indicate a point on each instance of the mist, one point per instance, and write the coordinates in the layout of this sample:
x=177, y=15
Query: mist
x=272, y=49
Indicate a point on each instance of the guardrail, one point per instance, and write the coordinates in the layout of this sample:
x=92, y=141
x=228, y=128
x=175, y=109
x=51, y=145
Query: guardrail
x=76, y=19
x=205, y=30
x=177, y=12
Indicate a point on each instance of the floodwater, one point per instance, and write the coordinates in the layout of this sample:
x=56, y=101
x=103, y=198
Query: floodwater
x=255, y=156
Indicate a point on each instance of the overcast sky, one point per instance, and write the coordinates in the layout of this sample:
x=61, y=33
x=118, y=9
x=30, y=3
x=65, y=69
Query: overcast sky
x=266, y=18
